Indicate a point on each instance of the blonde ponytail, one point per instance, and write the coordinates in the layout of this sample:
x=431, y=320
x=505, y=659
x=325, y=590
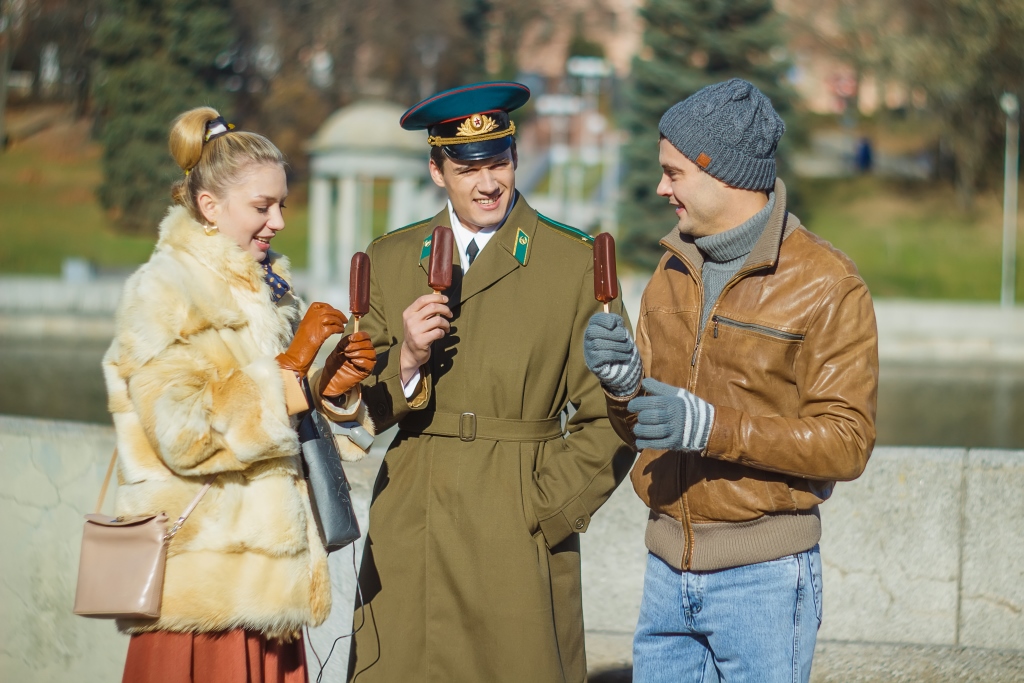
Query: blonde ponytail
x=213, y=165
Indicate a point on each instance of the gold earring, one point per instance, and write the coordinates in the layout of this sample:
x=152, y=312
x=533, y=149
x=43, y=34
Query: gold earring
x=209, y=229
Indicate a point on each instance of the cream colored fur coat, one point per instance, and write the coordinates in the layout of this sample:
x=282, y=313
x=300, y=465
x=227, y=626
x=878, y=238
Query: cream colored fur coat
x=195, y=390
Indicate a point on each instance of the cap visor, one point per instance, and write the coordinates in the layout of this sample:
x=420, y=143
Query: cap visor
x=475, y=151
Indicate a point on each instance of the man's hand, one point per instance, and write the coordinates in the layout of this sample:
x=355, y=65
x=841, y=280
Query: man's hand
x=671, y=418
x=320, y=322
x=349, y=364
x=610, y=354
x=424, y=322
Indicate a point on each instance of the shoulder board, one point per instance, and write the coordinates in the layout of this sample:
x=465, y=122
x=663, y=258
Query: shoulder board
x=402, y=229
x=567, y=230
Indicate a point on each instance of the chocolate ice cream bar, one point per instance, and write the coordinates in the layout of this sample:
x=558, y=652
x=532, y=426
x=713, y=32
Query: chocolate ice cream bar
x=441, y=259
x=606, y=284
x=359, y=285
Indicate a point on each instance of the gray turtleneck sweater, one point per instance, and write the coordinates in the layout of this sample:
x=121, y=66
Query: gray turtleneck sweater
x=725, y=252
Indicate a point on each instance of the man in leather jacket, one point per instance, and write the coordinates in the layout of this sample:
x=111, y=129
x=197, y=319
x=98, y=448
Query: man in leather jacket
x=757, y=351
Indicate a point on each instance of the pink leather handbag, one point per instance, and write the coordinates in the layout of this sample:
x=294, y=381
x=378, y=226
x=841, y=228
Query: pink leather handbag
x=121, y=567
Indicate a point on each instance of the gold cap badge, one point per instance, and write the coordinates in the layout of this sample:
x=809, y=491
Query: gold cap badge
x=477, y=124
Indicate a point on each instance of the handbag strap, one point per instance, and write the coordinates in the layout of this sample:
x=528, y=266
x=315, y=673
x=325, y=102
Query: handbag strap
x=106, y=482
x=184, y=515
x=191, y=506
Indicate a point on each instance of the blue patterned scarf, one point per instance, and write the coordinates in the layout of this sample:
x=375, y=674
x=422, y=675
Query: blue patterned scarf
x=278, y=286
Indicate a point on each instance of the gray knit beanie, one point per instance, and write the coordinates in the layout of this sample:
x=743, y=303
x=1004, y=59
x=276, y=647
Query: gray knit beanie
x=730, y=130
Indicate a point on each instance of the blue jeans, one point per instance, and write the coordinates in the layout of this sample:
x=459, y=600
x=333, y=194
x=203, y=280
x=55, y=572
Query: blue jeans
x=755, y=623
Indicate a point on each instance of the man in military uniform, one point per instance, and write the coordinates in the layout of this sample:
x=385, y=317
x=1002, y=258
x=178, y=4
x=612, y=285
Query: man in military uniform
x=471, y=570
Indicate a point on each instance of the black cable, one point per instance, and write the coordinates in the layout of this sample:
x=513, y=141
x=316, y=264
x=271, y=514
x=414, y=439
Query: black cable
x=362, y=621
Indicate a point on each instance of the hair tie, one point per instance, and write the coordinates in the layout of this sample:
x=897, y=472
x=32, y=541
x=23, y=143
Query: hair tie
x=216, y=128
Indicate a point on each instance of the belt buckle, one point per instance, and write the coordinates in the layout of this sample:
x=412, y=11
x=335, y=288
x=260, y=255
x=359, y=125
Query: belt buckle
x=467, y=427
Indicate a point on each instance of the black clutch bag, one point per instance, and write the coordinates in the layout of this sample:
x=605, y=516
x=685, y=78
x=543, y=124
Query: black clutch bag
x=329, y=490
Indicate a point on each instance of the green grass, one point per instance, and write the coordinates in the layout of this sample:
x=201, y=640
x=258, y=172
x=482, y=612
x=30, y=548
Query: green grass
x=910, y=239
x=907, y=239
x=49, y=211
x=591, y=180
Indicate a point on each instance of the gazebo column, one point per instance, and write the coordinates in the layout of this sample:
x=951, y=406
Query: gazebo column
x=320, y=229
x=364, y=234
x=400, y=202
x=348, y=225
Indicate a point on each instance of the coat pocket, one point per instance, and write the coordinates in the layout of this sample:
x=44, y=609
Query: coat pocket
x=527, y=465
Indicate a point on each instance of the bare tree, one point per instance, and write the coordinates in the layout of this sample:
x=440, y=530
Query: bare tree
x=961, y=53
x=964, y=54
x=13, y=14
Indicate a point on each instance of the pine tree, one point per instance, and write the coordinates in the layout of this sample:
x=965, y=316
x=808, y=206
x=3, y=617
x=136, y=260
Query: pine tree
x=155, y=59
x=689, y=44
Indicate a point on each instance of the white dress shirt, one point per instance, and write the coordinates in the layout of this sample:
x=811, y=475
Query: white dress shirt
x=463, y=236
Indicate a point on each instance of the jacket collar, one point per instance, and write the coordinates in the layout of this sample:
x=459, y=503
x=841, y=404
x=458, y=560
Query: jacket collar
x=765, y=253
x=180, y=232
x=494, y=262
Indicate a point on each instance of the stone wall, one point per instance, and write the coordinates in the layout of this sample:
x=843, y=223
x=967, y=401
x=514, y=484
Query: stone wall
x=923, y=554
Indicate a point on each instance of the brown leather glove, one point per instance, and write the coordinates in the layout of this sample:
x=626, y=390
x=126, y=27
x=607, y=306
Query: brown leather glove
x=349, y=364
x=320, y=322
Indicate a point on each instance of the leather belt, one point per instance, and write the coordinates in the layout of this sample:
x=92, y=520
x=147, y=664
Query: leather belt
x=470, y=427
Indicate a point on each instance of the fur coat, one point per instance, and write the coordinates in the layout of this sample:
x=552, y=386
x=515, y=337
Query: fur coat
x=195, y=390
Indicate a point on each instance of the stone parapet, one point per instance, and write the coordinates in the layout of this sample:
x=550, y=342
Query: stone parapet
x=922, y=558
x=917, y=331
x=52, y=295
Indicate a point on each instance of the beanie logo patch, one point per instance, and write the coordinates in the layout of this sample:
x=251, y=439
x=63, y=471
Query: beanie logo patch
x=703, y=160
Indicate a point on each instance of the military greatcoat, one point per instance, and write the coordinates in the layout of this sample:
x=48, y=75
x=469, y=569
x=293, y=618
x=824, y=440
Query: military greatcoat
x=471, y=570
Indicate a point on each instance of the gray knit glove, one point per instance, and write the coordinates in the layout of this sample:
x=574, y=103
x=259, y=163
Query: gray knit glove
x=610, y=354
x=671, y=418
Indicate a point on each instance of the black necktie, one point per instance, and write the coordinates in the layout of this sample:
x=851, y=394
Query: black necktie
x=471, y=251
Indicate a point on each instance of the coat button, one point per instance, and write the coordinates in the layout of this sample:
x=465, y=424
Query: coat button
x=580, y=523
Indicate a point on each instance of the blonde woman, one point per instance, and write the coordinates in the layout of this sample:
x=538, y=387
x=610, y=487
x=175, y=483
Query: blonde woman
x=204, y=385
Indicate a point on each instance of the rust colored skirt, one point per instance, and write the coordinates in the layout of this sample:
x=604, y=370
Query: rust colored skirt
x=236, y=656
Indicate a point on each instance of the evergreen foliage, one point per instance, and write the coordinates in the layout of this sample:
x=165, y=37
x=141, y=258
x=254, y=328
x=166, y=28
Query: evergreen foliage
x=689, y=44
x=155, y=59
x=580, y=45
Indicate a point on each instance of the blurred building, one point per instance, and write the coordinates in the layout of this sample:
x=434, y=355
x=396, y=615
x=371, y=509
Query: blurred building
x=838, y=64
x=612, y=24
x=368, y=176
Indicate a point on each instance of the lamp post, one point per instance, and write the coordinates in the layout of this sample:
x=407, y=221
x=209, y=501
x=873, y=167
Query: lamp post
x=1011, y=107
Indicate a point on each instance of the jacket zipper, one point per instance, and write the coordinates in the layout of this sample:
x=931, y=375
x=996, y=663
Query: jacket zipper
x=687, y=525
x=683, y=507
x=769, y=331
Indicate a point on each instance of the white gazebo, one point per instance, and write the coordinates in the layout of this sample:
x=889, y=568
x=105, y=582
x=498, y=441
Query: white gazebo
x=356, y=149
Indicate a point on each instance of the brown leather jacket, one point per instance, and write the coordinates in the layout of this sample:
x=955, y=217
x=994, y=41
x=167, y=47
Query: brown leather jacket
x=789, y=360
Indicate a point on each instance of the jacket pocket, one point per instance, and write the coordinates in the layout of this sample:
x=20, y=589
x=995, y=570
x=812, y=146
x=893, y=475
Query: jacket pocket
x=717, y=320
x=657, y=480
x=673, y=335
x=721, y=491
x=750, y=365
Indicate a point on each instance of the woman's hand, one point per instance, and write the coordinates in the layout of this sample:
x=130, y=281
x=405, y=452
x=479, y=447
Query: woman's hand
x=425, y=321
x=320, y=322
x=349, y=364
